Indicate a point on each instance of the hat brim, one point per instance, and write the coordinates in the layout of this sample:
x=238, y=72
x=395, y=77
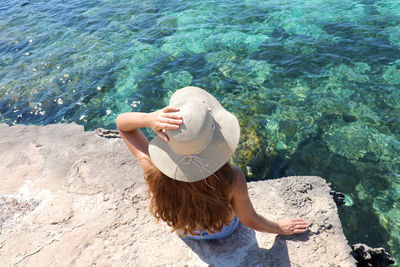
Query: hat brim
x=221, y=148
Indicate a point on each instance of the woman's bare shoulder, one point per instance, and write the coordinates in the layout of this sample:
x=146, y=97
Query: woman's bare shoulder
x=240, y=184
x=238, y=172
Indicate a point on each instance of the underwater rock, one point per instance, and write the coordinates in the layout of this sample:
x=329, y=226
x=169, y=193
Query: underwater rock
x=387, y=8
x=185, y=43
x=296, y=46
x=350, y=73
x=390, y=9
x=391, y=98
x=138, y=67
x=307, y=20
x=386, y=205
x=371, y=257
x=249, y=72
x=364, y=141
x=230, y=40
x=393, y=32
x=241, y=42
x=254, y=42
x=270, y=132
x=380, y=153
x=192, y=19
x=338, y=197
x=391, y=75
x=348, y=200
x=356, y=134
x=295, y=125
x=221, y=57
x=250, y=153
x=165, y=26
x=259, y=135
x=176, y=80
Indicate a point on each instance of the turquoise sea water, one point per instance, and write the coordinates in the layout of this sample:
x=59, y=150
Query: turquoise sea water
x=314, y=83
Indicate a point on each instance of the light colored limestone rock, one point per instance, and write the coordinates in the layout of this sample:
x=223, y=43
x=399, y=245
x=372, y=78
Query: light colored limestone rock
x=72, y=198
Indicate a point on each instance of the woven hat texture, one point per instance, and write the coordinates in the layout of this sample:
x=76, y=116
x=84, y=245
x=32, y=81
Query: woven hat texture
x=204, y=142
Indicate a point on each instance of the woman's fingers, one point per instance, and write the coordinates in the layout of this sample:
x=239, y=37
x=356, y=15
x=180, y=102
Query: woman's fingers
x=171, y=121
x=299, y=221
x=171, y=116
x=299, y=231
x=162, y=120
x=167, y=126
x=293, y=226
x=301, y=226
x=170, y=109
x=163, y=135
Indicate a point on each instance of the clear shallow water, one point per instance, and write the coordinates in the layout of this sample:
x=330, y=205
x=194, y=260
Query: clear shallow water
x=315, y=84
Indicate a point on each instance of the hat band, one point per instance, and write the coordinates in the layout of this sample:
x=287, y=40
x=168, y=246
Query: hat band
x=201, y=163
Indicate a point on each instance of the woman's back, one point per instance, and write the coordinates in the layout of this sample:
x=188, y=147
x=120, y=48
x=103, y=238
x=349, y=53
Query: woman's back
x=204, y=205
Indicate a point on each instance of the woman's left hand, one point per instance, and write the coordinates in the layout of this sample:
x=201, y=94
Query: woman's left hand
x=292, y=226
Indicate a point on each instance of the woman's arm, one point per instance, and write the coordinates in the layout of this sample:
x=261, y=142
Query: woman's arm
x=244, y=209
x=128, y=125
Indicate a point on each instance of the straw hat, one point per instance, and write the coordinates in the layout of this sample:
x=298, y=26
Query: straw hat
x=203, y=143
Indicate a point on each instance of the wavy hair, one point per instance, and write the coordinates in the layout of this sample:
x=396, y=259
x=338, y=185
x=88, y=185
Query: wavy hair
x=186, y=207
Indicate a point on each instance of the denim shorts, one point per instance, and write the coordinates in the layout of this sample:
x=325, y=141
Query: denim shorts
x=226, y=230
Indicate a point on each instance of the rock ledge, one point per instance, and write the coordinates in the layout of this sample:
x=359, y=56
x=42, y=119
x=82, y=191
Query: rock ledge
x=76, y=199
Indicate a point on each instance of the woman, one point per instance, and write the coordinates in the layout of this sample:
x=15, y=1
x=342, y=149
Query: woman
x=192, y=185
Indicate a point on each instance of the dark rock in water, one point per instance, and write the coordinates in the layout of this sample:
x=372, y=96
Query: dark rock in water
x=371, y=257
x=25, y=3
x=338, y=198
x=107, y=133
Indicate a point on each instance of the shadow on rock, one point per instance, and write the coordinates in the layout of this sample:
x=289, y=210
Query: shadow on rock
x=241, y=249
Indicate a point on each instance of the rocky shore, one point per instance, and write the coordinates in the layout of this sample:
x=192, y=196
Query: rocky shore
x=75, y=198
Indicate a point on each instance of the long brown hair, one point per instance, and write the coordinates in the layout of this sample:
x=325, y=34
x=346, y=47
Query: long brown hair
x=202, y=205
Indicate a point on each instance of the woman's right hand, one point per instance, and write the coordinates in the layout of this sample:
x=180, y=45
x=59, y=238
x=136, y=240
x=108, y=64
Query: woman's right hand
x=292, y=226
x=165, y=119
